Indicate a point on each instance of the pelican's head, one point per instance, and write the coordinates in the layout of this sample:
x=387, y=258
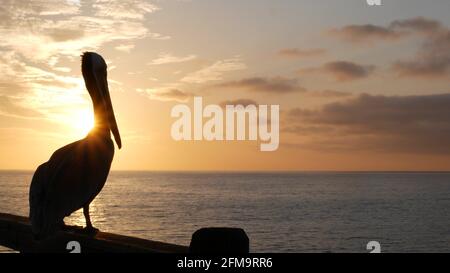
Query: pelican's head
x=93, y=67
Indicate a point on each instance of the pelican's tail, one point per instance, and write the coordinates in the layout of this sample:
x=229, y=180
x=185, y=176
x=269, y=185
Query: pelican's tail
x=41, y=224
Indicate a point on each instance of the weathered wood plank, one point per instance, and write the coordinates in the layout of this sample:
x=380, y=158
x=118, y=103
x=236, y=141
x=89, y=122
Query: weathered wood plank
x=15, y=233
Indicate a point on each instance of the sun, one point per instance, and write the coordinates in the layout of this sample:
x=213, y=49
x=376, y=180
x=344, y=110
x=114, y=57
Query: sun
x=83, y=121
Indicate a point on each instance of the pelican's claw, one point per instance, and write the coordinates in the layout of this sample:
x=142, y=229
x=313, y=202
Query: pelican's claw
x=90, y=230
x=70, y=228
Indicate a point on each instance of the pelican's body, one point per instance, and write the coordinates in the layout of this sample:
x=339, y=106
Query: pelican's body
x=77, y=172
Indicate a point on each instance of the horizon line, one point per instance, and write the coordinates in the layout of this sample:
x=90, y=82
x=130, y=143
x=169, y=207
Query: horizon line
x=257, y=171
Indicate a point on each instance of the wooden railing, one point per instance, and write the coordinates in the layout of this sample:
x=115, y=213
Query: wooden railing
x=15, y=233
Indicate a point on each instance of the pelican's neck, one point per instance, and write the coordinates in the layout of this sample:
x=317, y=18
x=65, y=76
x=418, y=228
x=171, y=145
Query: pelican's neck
x=101, y=124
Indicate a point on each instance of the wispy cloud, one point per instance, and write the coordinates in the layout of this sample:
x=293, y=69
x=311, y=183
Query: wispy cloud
x=366, y=33
x=166, y=94
x=9, y=107
x=301, y=53
x=125, y=48
x=265, y=85
x=37, y=35
x=124, y=9
x=417, y=24
x=215, y=71
x=243, y=102
x=329, y=94
x=167, y=58
x=394, y=31
x=343, y=70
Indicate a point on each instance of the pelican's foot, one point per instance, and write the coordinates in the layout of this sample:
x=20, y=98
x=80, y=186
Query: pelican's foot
x=90, y=230
x=65, y=227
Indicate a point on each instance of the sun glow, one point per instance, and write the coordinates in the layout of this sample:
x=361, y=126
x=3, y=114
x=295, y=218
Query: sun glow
x=82, y=121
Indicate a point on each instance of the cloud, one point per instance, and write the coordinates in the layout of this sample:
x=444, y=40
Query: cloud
x=37, y=30
x=433, y=57
x=301, y=53
x=167, y=58
x=407, y=124
x=124, y=48
x=418, y=24
x=329, y=94
x=215, y=71
x=366, y=33
x=432, y=60
x=62, y=35
x=18, y=12
x=265, y=85
x=167, y=94
x=394, y=31
x=343, y=70
x=158, y=36
x=24, y=79
x=33, y=92
x=243, y=102
x=10, y=107
x=128, y=9
x=38, y=36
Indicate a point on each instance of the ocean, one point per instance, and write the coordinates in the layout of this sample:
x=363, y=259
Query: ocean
x=280, y=212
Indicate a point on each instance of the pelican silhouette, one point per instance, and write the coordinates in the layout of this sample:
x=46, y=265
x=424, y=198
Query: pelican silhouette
x=76, y=173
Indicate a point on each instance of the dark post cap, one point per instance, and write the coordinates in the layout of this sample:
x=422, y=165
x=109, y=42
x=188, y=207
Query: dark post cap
x=219, y=240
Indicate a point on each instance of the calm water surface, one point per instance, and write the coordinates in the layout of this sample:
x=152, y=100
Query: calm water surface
x=281, y=212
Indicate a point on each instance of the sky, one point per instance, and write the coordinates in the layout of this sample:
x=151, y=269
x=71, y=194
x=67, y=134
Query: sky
x=359, y=88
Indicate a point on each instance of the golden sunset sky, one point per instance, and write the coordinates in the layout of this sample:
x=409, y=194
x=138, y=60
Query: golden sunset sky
x=359, y=87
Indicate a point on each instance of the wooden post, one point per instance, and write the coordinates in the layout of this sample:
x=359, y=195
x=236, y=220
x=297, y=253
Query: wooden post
x=219, y=241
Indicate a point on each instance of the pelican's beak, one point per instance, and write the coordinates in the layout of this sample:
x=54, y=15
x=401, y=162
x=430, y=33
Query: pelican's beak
x=104, y=93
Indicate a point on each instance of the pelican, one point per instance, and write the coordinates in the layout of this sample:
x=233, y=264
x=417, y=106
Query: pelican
x=76, y=173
